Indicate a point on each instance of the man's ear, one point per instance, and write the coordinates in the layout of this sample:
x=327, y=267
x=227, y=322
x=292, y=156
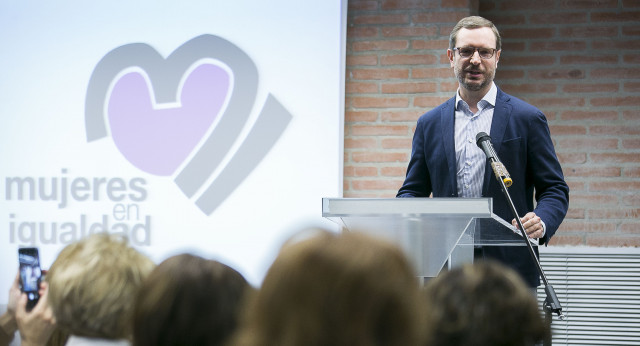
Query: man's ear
x=450, y=56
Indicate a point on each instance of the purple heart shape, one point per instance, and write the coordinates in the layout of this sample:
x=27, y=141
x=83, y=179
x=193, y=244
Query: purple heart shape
x=157, y=140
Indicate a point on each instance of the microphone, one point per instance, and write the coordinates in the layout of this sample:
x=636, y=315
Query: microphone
x=484, y=142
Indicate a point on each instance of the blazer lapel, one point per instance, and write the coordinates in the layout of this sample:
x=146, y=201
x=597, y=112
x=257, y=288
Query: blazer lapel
x=501, y=115
x=447, y=121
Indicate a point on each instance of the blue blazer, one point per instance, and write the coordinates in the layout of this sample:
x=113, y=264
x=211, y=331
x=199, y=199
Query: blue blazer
x=520, y=136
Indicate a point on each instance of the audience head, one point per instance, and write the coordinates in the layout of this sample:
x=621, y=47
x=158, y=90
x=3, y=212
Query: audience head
x=482, y=304
x=336, y=289
x=188, y=300
x=92, y=286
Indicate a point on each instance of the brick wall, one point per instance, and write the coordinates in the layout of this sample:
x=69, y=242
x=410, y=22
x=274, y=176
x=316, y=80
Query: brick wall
x=578, y=61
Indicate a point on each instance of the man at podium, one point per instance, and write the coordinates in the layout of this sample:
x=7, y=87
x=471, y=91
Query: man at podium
x=447, y=162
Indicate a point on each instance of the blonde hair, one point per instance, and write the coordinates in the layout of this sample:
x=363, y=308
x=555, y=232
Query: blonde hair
x=92, y=285
x=336, y=289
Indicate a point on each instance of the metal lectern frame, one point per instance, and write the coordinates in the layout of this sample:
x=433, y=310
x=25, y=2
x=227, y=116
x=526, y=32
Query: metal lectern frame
x=432, y=231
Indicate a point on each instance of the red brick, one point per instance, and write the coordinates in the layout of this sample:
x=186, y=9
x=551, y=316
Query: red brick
x=591, y=88
x=380, y=19
x=630, y=227
x=631, y=114
x=632, y=87
x=365, y=171
x=528, y=88
x=409, y=4
x=615, y=16
x=589, y=59
x=566, y=240
x=559, y=17
x=409, y=59
x=590, y=115
x=371, y=156
x=618, y=213
x=364, y=46
x=361, y=32
x=575, y=213
x=396, y=143
x=528, y=33
x=614, y=185
x=527, y=61
x=393, y=171
x=422, y=73
x=439, y=17
x=559, y=101
x=587, y=143
x=557, y=130
x=408, y=88
x=430, y=101
x=454, y=4
x=367, y=60
x=527, y=5
x=360, y=143
x=362, y=5
x=575, y=186
x=631, y=200
x=377, y=130
x=361, y=88
x=557, y=74
x=380, y=102
x=547, y=46
x=613, y=242
x=377, y=74
x=615, y=157
x=632, y=172
x=382, y=184
x=631, y=30
x=614, y=130
x=616, y=45
x=616, y=101
x=360, y=116
x=351, y=194
x=617, y=73
x=589, y=31
x=572, y=157
x=631, y=59
x=587, y=4
x=590, y=171
x=631, y=143
x=409, y=31
x=440, y=45
x=588, y=226
x=408, y=115
x=509, y=74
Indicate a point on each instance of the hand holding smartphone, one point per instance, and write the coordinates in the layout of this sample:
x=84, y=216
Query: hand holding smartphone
x=30, y=274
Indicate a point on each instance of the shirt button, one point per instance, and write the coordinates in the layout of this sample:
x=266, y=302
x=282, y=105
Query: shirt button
x=469, y=140
x=466, y=186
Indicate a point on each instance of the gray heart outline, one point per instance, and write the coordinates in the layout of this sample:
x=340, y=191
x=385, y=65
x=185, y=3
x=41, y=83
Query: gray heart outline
x=165, y=75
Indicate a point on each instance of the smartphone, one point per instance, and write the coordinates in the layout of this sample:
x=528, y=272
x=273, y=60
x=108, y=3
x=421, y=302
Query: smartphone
x=30, y=274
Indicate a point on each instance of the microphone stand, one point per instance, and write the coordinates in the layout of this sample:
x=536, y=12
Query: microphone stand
x=551, y=304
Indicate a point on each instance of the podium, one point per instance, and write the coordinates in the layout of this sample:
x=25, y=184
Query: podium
x=431, y=231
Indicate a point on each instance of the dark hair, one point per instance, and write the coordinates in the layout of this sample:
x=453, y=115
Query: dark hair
x=336, y=289
x=188, y=300
x=474, y=22
x=482, y=304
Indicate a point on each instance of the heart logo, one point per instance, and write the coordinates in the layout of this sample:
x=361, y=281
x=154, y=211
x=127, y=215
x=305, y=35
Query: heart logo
x=156, y=140
x=191, y=105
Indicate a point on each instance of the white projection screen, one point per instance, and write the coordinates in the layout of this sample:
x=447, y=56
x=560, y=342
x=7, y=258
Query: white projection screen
x=210, y=127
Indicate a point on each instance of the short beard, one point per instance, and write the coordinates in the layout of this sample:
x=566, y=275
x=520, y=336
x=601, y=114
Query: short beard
x=473, y=87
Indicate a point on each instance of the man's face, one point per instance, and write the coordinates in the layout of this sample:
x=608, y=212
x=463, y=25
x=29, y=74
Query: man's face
x=474, y=73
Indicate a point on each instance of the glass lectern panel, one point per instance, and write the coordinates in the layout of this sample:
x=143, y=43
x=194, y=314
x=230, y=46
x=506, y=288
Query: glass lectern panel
x=432, y=231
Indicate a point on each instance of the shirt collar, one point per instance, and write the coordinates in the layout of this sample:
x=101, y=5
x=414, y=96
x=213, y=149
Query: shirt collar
x=490, y=97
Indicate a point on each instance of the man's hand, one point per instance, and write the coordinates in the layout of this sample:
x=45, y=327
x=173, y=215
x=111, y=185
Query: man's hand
x=532, y=225
x=37, y=325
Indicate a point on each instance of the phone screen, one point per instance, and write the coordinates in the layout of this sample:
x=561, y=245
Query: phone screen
x=30, y=274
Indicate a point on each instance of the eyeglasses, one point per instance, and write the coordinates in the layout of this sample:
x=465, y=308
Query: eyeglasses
x=467, y=52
